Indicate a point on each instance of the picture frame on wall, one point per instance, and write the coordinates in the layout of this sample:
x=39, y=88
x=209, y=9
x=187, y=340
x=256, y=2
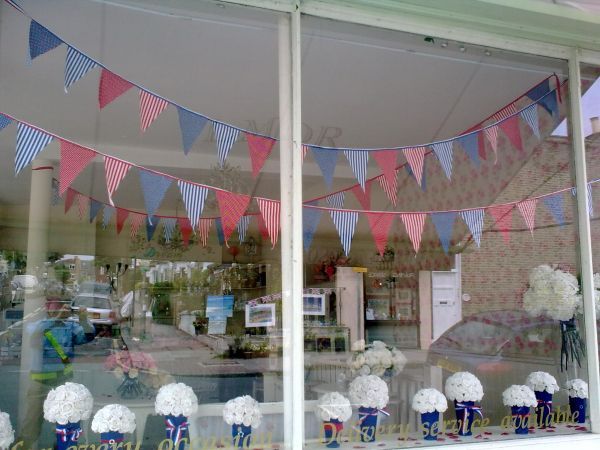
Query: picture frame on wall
x=262, y=315
x=313, y=304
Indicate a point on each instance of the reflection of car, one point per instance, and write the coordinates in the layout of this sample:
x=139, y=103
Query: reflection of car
x=22, y=285
x=501, y=348
x=99, y=309
x=92, y=287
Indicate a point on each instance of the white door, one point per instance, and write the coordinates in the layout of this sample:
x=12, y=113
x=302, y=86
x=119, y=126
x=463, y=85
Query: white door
x=446, y=305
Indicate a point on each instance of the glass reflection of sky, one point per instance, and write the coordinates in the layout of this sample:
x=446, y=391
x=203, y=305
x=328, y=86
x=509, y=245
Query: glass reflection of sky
x=590, y=103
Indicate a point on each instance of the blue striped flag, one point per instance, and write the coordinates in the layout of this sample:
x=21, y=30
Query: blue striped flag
x=30, y=141
x=191, y=125
x=310, y=221
x=154, y=187
x=107, y=214
x=226, y=137
x=474, y=220
x=4, y=122
x=589, y=198
x=76, y=66
x=151, y=226
x=444, y=223
x=326, y=160
x=530, y=116
x=41, y=40
x=95, y=207
x=358, y=160
x=443, y=151
x=554, y=204
x=242, y=227
x=345, y=224
x=169, y=228
x=193, y=198
x=336, y=200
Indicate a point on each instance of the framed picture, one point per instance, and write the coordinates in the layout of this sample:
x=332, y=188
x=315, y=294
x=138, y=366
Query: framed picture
x=260, y=315
x=314, y=304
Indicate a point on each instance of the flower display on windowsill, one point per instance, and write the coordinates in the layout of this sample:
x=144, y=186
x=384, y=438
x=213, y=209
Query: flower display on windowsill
x=429, y=403
x=376, y=359
x=242, y=413
x=578, y=394
x=464, y=389
x=138, y=372
x=544, y=385
x=370, y=393
x=7, y=433
x=176, y=401
x=112, y=422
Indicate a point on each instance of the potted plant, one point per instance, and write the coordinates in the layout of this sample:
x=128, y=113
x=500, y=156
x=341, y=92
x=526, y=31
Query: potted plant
x=243, y=414
x=176, y=401
x=333, y=409
x=578, y=394
x=112, y=422
x=430, y=403
x=544, y=385
x=464, y=389
x=520, y=398
x=7, y=433
x=370, y=393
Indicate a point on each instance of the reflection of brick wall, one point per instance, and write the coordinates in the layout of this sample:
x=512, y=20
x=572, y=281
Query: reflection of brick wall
x=496, y=274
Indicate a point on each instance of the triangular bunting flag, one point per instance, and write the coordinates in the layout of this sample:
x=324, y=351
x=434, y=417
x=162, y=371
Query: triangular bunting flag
x=122, y=215
x=363, y=197
x=527, y=209
x=107, y=214
x=154, y=187
x=358, y=160
x=530, y=116
x=491, y=133
x=509, y=123
x=326, y=160
x=387, y=160
x=151, y=226
x=73, y=159
x=415, y=156
x=474, y=220
x=193, y=199
x=4, y=121
x=262, y=228
x=242, y=227
x=219, y=228
x=55, y=197
x=115, y=170
x=541, y=94
x=304, y=151
x=554, y=204
x=336, y=200
x=414, y=224
x=502, y=215
x=150, y=108
x=345, y=224
x=443, y=151
x=134, y=224
x=76, y=66
x=226, y=137
x=69, y=199
x=380, y=224
x=259, y=148
x=390, y=190
x=169, y=228
x=186, y=230
x=589, y=198
x=41, y=40
x=82, y=203
x=30, y=142
x=469, y=143
x=191, y=125
x=232, y=207
x=95, y=207
x=111, y=87
x=481, y=146
x=444, y=223
x=270, y=212
x=310, y=221
x=203, y=230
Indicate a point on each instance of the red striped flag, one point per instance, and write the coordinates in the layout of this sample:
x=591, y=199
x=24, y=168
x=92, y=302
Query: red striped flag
x=363, y=197
x=414, y=227
x=186, y=229
x=134, y=224
x=390, y=189
x=115, y=170
x=415, y=156
x=73, y=159
x=304, y=151
x=204, y=226
x=380, y=228
x=232, y=207
x=150, y=108
x=111, y=86
x=262, y=228
x=122, y=215
x=502, y=215
x=509, y=122
x=491, y=133
x=527, y=209
x=259, y=148
x=387, y=160
x=270, y=211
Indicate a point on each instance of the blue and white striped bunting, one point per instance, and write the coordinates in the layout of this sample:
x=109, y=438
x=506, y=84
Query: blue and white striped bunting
x=242, y=227
x=530, y=116
x=336, y=200
x=76, y=66
x=30, y=141
x=444, y=152
x=193, y=198
x=474, y=220
x=345, y=224
x=358, y=160
x=226, y=137
x=590, y=198
x=169, y=228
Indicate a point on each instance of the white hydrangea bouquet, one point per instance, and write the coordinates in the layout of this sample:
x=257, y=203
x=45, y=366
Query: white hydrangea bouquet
x=376, y=359
x=544, y=385
x=520, y=399
x=464, y=389
x=242, y=413
x=176, y=401
x=555, y=293
x=333, y=409
x=112, y=422
x=66, y=405
x=7, y=433
x=578, y=394
x=577, y=388
x=430, y=403
x=370, y=393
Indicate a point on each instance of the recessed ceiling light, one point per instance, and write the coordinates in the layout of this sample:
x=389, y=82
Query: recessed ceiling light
x=444, y=44
x=462, y=48
x=487, y=52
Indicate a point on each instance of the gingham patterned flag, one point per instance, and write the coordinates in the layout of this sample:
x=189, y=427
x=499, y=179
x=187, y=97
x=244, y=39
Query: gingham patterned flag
x=509, y=122
x=415, y=156
x=554, y=204
x=363, y=197
x=380, y=225
x=154, y=188
x=150, y=108
x=470, y=145
x=107, y=214
x=474, y=220
x=203, y=229
x=73, y=159
x=95, y=207
x=326, y=160
x=168, y=228
x=271, y=212
x=232, y=206
x=191, y=125
x=391, y=190
x=530, y=116
x=134, y=223
x=82, y=203
x=444, y=224
x=414, y=224
x=345, y=224
x=527, y=209
x=491, y=133
x=226, y=137
x=76, y=66
x=502, y=215
x=310, y=221
x=41, y=40
x=69, y=199
x=151, y=226
x=30, y=142
x=115, y=171
x=4, y=122
x=186, y=230
x=358, y=160
x=336, y=200
x=122, y=215
x=259, y=148
x=111, y=86
x=193, y=198
x=242, y=227
x=443, y=151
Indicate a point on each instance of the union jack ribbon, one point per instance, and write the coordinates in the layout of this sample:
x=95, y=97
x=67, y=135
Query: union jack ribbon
x=546, y=404
x=176, y=432
x=465, y=409
x=67, y=434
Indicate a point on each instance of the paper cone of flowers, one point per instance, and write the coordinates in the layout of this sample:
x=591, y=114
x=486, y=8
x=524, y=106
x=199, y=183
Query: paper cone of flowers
x=520, y=399
x=112, y=422
x=578, y=395
x=333, y=409
x=376, y=359
x=243, y=414
x=176, y=401
x=370, y=393
x=544, y=385
x=66, y=406
x=464, y=389
x=430, y=403
x=7, y=434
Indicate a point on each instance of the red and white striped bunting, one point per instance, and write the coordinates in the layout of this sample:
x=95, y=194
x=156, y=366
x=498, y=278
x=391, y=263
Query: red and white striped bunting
x=134, y=224
x=415, y=157
x=150, y=108
x=115, y=170
x=270, y=211
x=502, y=215
x=527, y=209
x=380, y=225
x=414, y=227
x=204, y=226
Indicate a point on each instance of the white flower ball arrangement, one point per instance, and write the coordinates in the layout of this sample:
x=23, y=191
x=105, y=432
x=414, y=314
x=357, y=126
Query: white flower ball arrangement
x=369, y=391
x=376, y=359
x=552, y=292
x=68, y=403
x=463, y=387
x=577, y=388
x=429, y=400
x=242, y=410
x=542, y=381
x=7, y=434
x=176, y=399
x=519, y=395
x=333, y=406
x=117, y=418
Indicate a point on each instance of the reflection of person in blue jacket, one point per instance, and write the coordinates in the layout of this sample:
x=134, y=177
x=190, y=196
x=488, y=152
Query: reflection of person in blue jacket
x=52, y=361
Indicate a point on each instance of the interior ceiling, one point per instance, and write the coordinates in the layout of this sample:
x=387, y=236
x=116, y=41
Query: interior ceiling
x=362, y=87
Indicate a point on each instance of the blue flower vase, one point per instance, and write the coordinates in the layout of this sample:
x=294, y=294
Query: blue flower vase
x=177, y=431
x=67, y=435
x=543, y=410
x=241, y=435
x=430, y=425
x=578, y=405
x=112, y=437
x=332, y=429
x=464, y=417
x=367, y=418
x=520, y=419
